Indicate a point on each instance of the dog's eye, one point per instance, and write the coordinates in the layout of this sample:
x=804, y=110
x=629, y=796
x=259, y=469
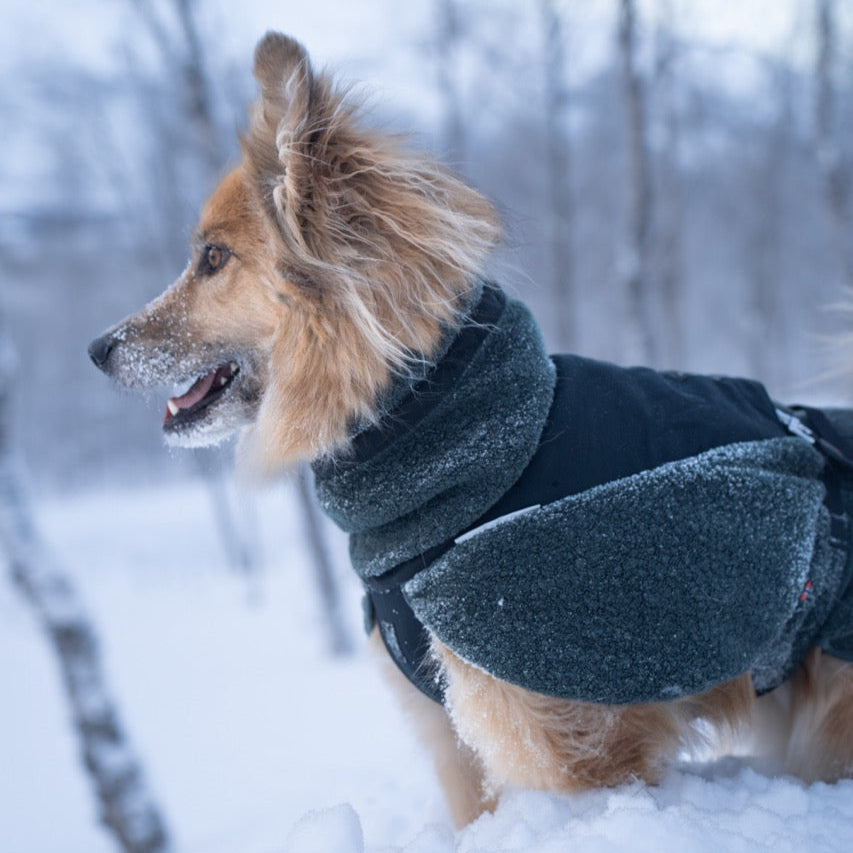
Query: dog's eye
x=213, y=258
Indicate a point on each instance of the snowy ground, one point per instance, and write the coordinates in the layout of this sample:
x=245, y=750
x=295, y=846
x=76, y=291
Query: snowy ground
x=256, y=741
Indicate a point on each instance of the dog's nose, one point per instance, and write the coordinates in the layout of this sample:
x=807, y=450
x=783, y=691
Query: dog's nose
x=100, y=349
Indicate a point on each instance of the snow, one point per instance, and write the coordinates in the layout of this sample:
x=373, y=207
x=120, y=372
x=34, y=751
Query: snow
x=742, y=811
x=336, y=829
x=737, y=812
x=255, y=740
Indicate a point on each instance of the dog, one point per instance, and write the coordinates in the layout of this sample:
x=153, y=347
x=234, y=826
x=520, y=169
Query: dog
x=335, y=310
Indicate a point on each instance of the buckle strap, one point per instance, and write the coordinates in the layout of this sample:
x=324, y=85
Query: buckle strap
x=813, y=426
x=817, y=429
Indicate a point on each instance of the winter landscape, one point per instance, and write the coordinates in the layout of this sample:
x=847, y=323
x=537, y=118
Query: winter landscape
x=248, y=731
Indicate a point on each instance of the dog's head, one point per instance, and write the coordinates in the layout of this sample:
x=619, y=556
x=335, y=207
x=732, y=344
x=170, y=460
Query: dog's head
x=320, y=266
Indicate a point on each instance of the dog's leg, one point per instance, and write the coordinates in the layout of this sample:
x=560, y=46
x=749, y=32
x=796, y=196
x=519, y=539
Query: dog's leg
x=533, y=741
x=771, y=730
x=528, y=740
x=821, y=719
x=457, y=766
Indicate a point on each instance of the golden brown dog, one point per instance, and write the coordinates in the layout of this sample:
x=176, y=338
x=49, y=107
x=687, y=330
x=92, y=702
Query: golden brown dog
x=319, y=265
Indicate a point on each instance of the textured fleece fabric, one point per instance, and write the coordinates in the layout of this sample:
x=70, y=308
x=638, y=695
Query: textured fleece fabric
x=651, y=587
x=665, y=566
x=472, y=444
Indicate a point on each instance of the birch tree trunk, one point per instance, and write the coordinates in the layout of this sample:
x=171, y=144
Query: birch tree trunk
x=127, y=807
x=637, y=281
x=671, y=194
x=830, y=161
x=558, y=166
x=447, y=38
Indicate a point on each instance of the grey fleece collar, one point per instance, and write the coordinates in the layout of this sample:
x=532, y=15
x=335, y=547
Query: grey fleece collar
x=467, y=432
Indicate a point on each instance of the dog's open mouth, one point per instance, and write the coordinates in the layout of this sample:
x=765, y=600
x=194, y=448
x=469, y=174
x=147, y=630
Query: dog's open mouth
x=191, y=406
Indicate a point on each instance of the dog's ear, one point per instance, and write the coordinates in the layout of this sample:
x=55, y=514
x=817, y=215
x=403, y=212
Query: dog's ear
x=284, y=72
x=277, y=148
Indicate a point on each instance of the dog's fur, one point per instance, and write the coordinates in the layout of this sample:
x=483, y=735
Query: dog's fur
x=320, y=265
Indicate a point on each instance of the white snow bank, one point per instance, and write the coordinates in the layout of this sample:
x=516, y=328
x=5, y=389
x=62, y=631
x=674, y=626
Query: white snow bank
x=743, y=812
x=739, y=813
x=735, y=811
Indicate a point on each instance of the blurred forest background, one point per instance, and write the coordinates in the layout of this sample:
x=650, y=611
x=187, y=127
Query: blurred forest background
x=676, y=181
x=676, y=185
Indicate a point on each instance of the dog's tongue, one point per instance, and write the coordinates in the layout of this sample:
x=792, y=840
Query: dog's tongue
x=198, y=390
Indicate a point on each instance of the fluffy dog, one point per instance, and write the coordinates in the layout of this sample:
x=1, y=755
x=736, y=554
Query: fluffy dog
x=334, y=311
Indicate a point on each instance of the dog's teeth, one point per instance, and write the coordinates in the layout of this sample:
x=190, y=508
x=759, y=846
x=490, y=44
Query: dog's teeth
x=172, y=407
x=223, y=380
x=234, y=366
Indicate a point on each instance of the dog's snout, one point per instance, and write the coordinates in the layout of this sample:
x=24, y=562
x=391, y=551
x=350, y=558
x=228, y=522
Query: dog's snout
x=100, y=349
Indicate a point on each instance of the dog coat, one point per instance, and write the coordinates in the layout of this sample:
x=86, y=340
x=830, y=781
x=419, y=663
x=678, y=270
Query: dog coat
x=589, y=531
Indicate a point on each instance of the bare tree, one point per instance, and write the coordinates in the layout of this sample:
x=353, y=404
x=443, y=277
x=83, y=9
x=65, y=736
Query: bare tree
x=177, y=100
x=188, y=135
x=448, y=35
x=767, y=181
x=636, y=261
x=328, y=589
x=670, y=263
x=127, y=807
x=558, y=171
x=830, y=158
x=234, y=513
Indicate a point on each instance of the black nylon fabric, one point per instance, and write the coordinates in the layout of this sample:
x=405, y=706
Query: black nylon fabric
x=608, y=422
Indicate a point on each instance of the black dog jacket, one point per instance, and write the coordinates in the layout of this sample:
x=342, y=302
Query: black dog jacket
x=589, y=531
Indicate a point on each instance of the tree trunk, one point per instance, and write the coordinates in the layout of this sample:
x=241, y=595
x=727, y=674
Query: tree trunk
x=836, y=181
x=637, y=256
x=127, y=807
x=448, y=32
x=183, y=59
x=671, y=197
x=558, y=165
x=327, y=586
x=233, y=515
x=199, y=90
x=769, y=178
